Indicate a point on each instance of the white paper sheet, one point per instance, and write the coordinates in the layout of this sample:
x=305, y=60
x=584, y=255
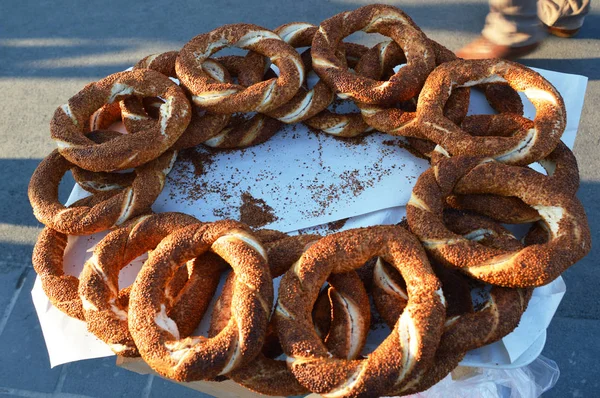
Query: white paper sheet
x=306, y=178
x=379, y=203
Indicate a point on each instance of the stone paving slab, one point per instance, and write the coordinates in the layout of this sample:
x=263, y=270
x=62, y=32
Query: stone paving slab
x=102, y=375
x=24, y=361
x=573, y=344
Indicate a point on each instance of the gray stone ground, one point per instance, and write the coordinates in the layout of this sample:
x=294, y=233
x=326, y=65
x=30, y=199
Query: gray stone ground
x=49, y=50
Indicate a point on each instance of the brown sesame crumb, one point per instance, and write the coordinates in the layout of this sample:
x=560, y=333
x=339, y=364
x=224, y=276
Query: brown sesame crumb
x=255, y=212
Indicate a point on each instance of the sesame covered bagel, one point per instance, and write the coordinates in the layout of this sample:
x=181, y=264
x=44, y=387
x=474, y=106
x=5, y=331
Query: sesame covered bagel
x=562, y=174
x=333, y=121
x=408, y=349
x=307, y=102
x=535, y=265
x=203, y=125
x=500, y=97
x=68, y=126
x=211, y=129
x=377, y=18
x=400, y=119
x=378, y=63
x=503, y=98
x=47, y=260
x=196, y=357
x=561, y=167
x=464, y=329
x=106, y=317
x=264, y=374
x=243, y=130
x=349, y=323
x=163, y=63
x=522, y=148
x=60, y=288
x=98, y=182
x=116, y=207
x=228, y=97
x=390, y=303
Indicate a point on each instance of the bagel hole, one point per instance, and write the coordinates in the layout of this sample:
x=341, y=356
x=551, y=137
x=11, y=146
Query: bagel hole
x=76, y=254
x=81, y=248
x=520, y=231
x=539, y=167
x=379, y=330
x=366, y=39
x=311, y=80
x=529, y=110
x=480, y=294
x=343, y=106
x=204, y=326
x=152, y=106
x=65, y=186
x=227, y=51
x=396, y=68
x=241, y=117
x=478, y=103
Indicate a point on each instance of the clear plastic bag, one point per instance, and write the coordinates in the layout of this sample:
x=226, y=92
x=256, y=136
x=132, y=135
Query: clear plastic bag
x=527, y=382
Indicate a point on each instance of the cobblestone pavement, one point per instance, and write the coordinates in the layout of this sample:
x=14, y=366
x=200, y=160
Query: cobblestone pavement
x=49, y=50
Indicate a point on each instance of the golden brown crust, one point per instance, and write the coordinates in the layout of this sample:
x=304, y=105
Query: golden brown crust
x=345, y=339
x=99, y=182
x=106, y=316
x=390, y=305
x=560, y=165
x=464, y=329
x=506, y=209
x=203, y=125
x=523, y=148
x=395, y=361
x=562, y=175
x=378, y=63
x=215, y=130
x=117, y=205
x=197, y=358
x=332, y=121
x=534, y=265
x=307, y=102
x=163, y=63
x=503, y=98
x=68, y=126
x=60, y=289
x=383, y=19
x=242, y=132
x=230, y=98
x=47, y=260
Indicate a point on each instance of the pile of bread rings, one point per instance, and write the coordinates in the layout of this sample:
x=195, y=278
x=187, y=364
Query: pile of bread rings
x=417, y=275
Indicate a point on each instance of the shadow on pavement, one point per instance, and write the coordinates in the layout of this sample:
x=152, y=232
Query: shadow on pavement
x=589, y=67
x=16, y=209
x=62, y=46
x=58, y=48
